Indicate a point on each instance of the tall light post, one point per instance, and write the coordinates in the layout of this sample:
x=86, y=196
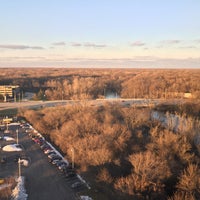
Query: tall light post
x=6, y=131
x=19, y=167
x=72, y=150
x=19, y=97
x=17, y=131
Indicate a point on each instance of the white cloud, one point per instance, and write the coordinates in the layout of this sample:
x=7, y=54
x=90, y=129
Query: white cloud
x=171, y=42
x=20, y=47
x=59, y=44
x=88, y=44
x=138, y=44
x=188, y=47
x=197, y=41
x=76, y=44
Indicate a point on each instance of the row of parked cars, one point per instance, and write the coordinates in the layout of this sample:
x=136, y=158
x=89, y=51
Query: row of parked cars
x=55, y=158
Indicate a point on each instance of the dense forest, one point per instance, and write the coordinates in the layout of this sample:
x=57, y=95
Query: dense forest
x=57, y=84
x=123, y=152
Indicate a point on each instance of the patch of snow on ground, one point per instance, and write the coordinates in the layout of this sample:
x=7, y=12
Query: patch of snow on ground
x=14, y=123
x=24, y=162
x=7, y=138
x=85, y=198
x=19, y=192
x=11, y=147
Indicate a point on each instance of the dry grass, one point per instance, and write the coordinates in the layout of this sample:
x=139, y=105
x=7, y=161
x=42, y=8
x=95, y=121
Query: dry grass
x=5, y=194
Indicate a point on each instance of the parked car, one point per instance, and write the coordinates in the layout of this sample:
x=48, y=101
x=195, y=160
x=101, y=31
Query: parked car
x=25, y=126
x=28, y=130
x=48, y=150
x=54, y=162
x=62, y=168
x=70, y=174
x=38, y=140
x=51, y=152
x=77, y=184
x=56, y=157
x=67, y=170
x=50, y=156
x=43, y=146
x=62, y=163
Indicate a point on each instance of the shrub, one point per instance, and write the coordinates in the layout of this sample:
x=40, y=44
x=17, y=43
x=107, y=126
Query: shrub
x=147, y=176
x=189, y=180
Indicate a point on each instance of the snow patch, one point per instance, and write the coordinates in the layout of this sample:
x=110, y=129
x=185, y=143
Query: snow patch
x=19, y=192
x=12, y=147
x=7, y=138
x=14, y=123
x=24, y=162
x=85, y=198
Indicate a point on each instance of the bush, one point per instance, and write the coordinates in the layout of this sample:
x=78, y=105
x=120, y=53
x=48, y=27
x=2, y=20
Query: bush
x=189, y=180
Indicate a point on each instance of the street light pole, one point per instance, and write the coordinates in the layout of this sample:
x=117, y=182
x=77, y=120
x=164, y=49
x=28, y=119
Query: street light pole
x=72, y=150
x=19, y=167
x=17, y=131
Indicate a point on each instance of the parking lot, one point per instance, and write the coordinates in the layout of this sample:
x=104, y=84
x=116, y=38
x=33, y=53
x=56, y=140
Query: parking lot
x=43, y=180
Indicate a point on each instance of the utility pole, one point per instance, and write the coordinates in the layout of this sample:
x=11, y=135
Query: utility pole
x=19, y=97
x=22, y=95
x=15, y=98
x=17, y=131
x=19, y=167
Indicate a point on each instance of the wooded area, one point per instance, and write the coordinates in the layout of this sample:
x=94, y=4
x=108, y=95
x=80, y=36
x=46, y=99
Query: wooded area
x=123, y=152
x=57, y=84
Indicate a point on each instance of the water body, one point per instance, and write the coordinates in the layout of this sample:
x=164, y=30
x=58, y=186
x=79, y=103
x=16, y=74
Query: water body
x=179, y=124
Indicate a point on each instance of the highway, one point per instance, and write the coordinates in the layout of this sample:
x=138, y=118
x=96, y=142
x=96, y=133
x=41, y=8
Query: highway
x=29, y=104
x=97, y=102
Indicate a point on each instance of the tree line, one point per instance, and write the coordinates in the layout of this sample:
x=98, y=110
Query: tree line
x=54, y=84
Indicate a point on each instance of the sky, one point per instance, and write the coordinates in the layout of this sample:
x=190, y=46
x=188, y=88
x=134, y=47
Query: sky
x=100, y=33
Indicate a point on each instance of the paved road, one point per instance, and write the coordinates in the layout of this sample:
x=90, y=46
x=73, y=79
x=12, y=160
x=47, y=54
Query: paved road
x=97, y=102
x=29, y=104
x=43, y=180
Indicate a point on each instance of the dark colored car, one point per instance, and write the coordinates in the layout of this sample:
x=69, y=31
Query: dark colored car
x=3, y=160
x=70, y=174
x=52, y=155
x=61, y=163
x=43, y=146
x=56, y=161
x=56, y=157
x=77, y=184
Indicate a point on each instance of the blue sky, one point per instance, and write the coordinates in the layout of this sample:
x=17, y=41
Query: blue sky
x=103, y=33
